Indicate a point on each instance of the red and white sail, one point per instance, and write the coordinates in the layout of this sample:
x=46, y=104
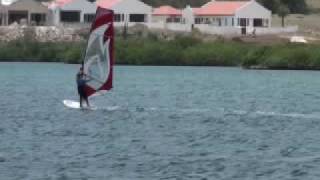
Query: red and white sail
x=99, y=56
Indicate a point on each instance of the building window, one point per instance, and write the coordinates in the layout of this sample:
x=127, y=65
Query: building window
x=70, y=16
x=207, y=21
x=257, y=22
x=119, y=17
x=173, y=20
x=38, y=19
x=232, y=21
x=137, y=18
x=219, y=22
x=17, y=16
x=177, y=20
x=226, y=21
x=243, y=22
x=198, y=20
x=88, y=17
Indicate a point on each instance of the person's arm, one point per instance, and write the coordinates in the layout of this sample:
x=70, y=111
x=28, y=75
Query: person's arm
x=77, y=78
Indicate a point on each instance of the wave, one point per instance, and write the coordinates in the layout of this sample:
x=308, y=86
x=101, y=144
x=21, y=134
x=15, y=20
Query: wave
x=221, y=111
x=292, y=115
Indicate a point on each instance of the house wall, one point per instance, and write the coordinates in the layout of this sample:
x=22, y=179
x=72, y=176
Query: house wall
x=128, y=7
x=254, y=10
x=82, y=6
x=27, y=9
x=158, y=18
x=28, y=5
x=215, y=20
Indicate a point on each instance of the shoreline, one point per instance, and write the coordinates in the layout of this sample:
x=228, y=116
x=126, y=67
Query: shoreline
x=195, y=66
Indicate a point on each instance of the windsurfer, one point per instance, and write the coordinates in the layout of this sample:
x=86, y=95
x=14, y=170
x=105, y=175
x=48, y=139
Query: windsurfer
x=82, y=79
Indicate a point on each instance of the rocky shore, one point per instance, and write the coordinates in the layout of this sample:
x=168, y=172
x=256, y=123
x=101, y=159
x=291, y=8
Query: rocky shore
x=42, y=33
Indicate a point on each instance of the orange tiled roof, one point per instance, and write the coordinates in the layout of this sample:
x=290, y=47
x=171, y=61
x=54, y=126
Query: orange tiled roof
x=108, y=4
x=166, y=11
x=219, y=8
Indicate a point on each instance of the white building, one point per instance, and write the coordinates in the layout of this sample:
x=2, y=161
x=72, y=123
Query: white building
x=25, y=11
x=243, y=14
x=128, y=11
x=72, y=11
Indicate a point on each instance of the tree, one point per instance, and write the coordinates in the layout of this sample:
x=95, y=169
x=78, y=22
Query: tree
x=270, y=4
x=283, y=11
x=296, y=6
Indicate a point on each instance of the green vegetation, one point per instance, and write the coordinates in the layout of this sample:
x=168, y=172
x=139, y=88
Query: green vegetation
x=181, y=51
x=22, y=50
x=185, y=51
x=285, y=56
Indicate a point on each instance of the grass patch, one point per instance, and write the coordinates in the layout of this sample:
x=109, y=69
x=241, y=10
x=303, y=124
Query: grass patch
x=187, y=51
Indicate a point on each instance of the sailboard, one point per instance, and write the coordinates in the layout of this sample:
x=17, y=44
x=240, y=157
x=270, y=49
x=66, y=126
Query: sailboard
x=99, y=55
x=76, y=105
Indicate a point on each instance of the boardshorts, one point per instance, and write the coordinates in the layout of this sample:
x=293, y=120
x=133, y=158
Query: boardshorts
x=81, y=92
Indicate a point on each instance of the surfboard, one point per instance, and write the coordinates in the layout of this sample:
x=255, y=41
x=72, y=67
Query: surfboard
x=76, y=105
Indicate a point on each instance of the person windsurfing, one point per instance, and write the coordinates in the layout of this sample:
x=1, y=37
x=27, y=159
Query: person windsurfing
x=82, y=80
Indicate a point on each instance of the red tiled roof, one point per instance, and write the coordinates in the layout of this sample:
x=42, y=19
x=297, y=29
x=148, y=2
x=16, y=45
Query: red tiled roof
x=166, y=11
x=219, y=8
x=108, y=4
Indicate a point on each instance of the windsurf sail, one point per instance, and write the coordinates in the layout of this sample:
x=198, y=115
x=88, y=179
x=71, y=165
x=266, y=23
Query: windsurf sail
x=99, y=55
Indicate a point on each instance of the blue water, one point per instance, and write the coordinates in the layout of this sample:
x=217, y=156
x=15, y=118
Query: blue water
x=172, y=123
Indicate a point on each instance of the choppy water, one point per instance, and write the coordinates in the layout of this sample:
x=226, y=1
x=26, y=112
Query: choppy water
x=160, y=123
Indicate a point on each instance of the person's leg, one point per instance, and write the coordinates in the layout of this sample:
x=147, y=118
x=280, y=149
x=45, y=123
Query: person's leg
x=87, y=101
x=80, y=96
x=80, y=101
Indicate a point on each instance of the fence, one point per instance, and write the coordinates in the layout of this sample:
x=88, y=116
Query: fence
x=277, y=30
x=223, y=31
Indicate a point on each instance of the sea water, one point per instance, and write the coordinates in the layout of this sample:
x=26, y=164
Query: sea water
x=160, y=123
